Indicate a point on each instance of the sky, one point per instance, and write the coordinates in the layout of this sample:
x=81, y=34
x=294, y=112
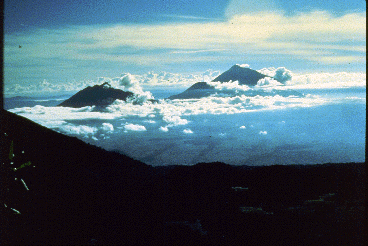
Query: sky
x=65, y=41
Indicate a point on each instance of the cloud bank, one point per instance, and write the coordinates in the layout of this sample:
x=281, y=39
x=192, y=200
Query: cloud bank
x=142, y=83
x=314, y=39
x=133, y=127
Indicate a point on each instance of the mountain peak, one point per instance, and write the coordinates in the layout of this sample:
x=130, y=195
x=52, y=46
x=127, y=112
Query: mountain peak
x=105, y=85
x=241, y=73
x=98, y=95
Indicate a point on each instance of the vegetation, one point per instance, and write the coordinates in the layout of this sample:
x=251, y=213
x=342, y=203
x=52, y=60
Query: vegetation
x=79, y=194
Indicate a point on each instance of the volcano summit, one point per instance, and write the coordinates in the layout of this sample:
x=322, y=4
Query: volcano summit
x=98, y=95
x=244, y=76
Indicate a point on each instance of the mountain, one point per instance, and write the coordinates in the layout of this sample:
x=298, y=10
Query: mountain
x=98, y=95
x=245, y=76
x=58, y=190
x=73, y=189
x=198, y=90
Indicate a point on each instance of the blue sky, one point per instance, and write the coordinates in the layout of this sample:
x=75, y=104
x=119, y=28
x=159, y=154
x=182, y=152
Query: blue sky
x=62, y=41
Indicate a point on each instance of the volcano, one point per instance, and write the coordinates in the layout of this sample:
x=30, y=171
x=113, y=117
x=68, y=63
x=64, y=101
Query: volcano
x=98, y=95
x=244, y=76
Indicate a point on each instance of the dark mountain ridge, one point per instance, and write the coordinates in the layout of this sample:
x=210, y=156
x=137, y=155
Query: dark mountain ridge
x=98, y=95
x=80, y=194
x=244, y=76
x=198, y=90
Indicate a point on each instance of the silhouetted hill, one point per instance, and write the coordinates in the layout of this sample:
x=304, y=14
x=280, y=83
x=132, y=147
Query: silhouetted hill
x=198, y=90
x=98, y=95
x=245, y=76
x=81, y=194
x=74, y=188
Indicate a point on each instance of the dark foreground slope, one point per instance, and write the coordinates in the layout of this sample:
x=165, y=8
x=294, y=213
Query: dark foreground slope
x=81, y=194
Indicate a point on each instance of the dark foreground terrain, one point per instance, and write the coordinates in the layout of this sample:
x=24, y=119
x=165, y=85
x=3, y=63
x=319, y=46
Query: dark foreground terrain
x=59, y=190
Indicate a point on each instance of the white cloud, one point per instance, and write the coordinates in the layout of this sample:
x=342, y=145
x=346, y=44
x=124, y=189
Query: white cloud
x=263, y=133
x=187, y=131
x=174, y=120
x=308, y=36
x=328, y=80
x=133, y=127
x=153, y=80
x=267, y=81
x=150, y=121
x=173, y=113
x=243, y=65
x=230, y=86
x=107, y=127
x=164, y=129
x=59, y=114
x=280, y=74
x=78, y=129
x=46, y=88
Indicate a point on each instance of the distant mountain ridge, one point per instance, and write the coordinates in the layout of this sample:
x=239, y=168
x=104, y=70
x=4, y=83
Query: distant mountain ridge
x=98, y=95
x=244, y=76
x=198, y=90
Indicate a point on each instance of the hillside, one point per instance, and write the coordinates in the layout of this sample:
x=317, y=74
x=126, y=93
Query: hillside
x=98, y=95
x=198, y=90
x=81, y=194
x=244, y=75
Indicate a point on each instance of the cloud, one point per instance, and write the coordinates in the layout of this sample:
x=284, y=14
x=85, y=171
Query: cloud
x=128, y=82
x=282, y=75
x=83, y=130
x=150, y=121
x=174, y=120
x=268, y=82
x=263, y=133
x=311, y=37
x=131, y=82
x=164, y=129
x=152, y=80
x=133, y=127
x=187, y=131
x=46, y=87
x=243, y=65
x=328, y=80
x=107, y=127
x=230, y=86
x=173, y=113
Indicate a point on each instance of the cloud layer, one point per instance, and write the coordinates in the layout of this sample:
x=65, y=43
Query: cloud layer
x=215, y=128
x=142, y=83
x=164, y=114
x=312, y=39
